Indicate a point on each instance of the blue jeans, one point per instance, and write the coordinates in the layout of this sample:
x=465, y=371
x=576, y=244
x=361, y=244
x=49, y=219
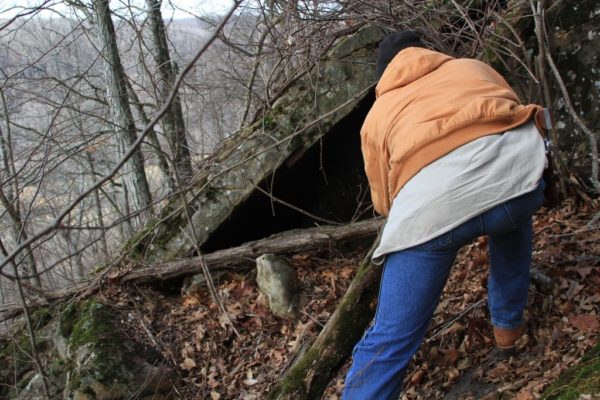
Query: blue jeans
x=413, y=280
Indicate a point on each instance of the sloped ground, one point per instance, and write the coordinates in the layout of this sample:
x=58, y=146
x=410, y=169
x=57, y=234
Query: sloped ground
x=457, y=361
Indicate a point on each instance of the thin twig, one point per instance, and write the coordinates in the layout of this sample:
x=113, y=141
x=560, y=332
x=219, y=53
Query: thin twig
x=526, y=64
x=465, y=16
x=453, y=320
x=205, y=271
x=293, y=207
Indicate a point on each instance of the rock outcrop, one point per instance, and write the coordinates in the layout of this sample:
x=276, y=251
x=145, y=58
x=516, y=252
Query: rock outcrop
x=574, y=31
x=295, y=122
x=91, y=359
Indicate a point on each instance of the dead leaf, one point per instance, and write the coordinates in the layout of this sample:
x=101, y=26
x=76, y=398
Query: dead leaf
x=188, y=364
x=190, y=301
x=417, y=377
x=456, y=327
x=451, y=355
x=463, y=364
x=346, y=272
x=480, y=258
x=574, y=289
x=276, y=355
x=497, y=372
x=235, y=310
x=585, y=322
x=452, y=373
x=584, y=272
x=525, y=395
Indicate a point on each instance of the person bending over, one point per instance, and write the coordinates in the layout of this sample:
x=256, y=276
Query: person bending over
x=450, y=154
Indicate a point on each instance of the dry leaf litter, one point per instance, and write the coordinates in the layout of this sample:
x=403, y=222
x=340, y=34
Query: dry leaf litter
x=456, y=361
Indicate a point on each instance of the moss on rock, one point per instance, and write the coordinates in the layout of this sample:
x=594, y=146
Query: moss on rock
x=41, y=317
x=99, y=367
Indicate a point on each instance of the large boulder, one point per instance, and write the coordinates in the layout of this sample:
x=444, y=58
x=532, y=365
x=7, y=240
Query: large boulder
x=294, y=123
x=574, y=43
x=103, y=363
x=86, y=357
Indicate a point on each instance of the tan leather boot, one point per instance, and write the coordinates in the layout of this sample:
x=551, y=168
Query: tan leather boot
x=507, y=338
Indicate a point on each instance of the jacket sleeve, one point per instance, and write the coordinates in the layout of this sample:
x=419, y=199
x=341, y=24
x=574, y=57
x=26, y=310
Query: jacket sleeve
x=377, y=170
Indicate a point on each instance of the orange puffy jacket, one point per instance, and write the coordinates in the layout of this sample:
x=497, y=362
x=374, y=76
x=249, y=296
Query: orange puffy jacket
x=427, y=105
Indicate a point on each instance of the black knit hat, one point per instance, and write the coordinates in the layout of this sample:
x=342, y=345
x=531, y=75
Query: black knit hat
x=392, y=44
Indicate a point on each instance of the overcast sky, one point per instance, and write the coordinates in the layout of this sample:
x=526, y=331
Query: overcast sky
x=170, y=8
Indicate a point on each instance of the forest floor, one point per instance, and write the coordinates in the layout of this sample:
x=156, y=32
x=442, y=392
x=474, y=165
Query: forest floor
x=457, y=359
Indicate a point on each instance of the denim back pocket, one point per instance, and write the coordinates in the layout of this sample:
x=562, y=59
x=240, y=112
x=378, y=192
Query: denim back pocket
x=521, y=209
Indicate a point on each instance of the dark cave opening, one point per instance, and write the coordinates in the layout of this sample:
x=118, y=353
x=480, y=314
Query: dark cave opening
x=327, y=181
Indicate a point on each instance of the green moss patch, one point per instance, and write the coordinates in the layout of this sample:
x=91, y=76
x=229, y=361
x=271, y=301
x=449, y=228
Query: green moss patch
x=94, y=327
x=41, y=317
x=68, y=317
x=582, y=379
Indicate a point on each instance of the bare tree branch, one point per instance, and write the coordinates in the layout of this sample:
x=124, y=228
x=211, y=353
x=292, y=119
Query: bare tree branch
x=58, y=220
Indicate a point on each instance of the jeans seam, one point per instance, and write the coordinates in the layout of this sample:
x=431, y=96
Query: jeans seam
x=379, y=294
x=374, y=319
x=512, y=222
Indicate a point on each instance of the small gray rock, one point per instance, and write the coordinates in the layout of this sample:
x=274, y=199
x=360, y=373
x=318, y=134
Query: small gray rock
x=277, y=280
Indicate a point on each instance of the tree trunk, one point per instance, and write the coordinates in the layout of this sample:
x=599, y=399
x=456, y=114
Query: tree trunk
x=161, y=156
x=134, y=175
x=9, y=197
x=20, y=235
x=173, y=124
x=98, y=206
x=309, y=375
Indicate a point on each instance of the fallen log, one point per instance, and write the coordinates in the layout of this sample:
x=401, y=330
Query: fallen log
x=244, y=256
x=44, y=298
x=240, y=257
